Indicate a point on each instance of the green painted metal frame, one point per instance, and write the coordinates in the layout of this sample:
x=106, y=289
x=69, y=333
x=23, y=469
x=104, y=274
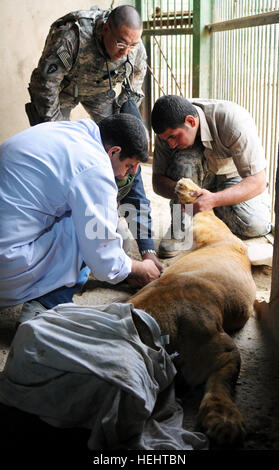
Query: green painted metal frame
x=196, y=26
x=245, y=22
x=202, y=15
x=201, y=28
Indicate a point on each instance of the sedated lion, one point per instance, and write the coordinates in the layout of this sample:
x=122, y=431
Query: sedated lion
x=198, y=299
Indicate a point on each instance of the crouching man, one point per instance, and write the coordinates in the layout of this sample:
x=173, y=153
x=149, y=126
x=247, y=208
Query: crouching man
x=216, y=144
x=58, y=210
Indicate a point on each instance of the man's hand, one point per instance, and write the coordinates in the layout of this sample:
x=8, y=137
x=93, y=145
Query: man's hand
x=142, y=273
x=155, y=260
x=246, y=189
x=205, y=200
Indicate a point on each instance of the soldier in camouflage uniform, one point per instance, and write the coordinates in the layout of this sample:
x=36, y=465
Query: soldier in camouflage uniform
x=215, y=143
x=84, y=58
x=86, y=54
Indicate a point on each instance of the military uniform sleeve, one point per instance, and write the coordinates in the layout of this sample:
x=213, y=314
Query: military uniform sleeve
x=136, y=77
x=49, y=78
x=139, y=74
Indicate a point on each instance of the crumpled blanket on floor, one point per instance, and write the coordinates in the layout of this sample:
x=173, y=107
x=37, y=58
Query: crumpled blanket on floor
x=86, y=366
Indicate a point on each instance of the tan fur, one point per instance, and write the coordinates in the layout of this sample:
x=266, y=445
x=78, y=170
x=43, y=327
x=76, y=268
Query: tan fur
x=200, y=296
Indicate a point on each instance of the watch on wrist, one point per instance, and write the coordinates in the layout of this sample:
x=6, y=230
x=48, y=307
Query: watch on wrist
x=144, y=252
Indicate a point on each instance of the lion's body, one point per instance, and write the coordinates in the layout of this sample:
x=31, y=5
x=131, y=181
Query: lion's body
x=203, y=294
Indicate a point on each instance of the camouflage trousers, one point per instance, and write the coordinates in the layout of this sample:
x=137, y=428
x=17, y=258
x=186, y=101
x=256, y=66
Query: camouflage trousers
x=247, y=219
x=98, y=106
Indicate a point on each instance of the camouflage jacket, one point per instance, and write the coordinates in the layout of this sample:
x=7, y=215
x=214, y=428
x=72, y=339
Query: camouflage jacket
x=74, y=65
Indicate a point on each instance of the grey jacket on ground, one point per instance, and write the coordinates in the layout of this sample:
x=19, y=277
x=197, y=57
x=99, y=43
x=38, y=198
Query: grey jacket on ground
x=85, y=366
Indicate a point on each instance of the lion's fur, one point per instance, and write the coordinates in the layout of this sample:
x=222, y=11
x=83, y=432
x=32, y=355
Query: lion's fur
x=204, y=293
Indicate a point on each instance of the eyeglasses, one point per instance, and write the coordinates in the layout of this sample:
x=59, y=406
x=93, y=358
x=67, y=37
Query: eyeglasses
x=122, y=45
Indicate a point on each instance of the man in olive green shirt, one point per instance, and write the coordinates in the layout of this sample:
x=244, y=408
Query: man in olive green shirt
x=215, y=143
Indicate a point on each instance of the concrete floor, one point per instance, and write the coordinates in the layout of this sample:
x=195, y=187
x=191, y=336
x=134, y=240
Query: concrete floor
x=257, y=391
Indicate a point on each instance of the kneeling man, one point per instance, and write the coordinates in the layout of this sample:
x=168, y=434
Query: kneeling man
x=215, y=143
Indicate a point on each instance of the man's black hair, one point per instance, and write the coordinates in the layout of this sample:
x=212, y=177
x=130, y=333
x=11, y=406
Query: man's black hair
x=170, y=111
x=128, y=132
x=125, y=14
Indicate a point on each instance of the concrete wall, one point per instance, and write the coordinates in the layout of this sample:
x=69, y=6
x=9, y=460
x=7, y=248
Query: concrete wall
x=24, y=27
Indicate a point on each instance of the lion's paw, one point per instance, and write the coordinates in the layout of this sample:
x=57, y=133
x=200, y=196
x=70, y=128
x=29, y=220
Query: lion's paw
x=184, y=188
x=221, y=421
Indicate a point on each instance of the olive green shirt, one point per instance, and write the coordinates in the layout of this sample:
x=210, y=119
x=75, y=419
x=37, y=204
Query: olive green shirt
x=230, y=139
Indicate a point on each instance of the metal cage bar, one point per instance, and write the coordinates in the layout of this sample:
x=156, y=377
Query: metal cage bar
x=245, y=67
x=167, y=30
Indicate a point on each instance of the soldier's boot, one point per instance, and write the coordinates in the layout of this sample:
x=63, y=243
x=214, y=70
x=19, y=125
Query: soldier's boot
x=178, y=237
x=184, y=164
x=169, y=248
